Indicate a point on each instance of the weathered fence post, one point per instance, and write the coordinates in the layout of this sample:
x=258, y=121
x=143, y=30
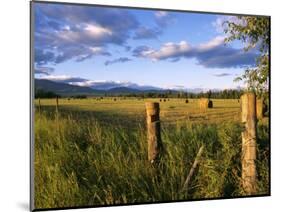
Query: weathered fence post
x=248, y=116
x=153, y=131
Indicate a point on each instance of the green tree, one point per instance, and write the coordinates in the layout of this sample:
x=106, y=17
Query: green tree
x=255, y=33
x=209, y=93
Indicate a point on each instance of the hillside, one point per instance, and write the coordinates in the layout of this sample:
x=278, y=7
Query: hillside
x=62, y=88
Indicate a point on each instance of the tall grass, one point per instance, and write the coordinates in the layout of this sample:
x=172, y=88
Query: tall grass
x=79, y=161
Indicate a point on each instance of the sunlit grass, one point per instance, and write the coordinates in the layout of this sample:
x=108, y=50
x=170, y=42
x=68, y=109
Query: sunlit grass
x=94, y=152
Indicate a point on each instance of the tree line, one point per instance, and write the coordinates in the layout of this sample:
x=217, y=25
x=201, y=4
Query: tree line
x=223, y=94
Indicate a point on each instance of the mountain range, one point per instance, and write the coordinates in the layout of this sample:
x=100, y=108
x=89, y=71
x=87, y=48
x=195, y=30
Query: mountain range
x=68, y=89
x=101, y=88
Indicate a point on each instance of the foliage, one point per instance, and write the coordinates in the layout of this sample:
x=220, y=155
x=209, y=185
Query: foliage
x=255, y=33
x=79, y=97
x=39, y=93
x=222, y=94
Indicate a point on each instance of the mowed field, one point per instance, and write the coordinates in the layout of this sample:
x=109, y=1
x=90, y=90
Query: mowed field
x=94, y=152
x=172, y=111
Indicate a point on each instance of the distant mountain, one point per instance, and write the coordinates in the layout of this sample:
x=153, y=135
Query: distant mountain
x=62, y=88
x=123, y=90
x=109, y=85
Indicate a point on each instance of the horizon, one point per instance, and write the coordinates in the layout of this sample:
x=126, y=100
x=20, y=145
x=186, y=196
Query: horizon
x=144, y=88
x=84, y=45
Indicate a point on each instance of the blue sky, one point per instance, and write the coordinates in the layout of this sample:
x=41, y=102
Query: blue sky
x=89, y=45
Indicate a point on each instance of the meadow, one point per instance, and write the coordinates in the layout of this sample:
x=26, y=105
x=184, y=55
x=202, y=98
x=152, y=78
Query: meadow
x=93, y=152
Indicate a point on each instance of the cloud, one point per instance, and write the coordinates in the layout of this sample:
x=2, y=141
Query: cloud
x=81, y=54
x=43, y=57
x=147, y=33
x=64, y=79
x=118, y=60
x=168, y=50
x=222, y=74
x=161, y=14
x=95, y=84
x=43, y=70
x=212, y=54
x=97, y=31
x=220, y=23
x=164, y=18
x=67, y=32
x=104, y=84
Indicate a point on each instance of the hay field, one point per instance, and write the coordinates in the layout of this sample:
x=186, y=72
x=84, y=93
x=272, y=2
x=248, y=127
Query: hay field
x=94, y=152
x=172, y=111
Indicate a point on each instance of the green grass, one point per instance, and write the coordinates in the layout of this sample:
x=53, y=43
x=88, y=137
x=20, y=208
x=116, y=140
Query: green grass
x=95, y=153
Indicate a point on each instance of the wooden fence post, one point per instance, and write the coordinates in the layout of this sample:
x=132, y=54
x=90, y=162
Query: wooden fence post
x=248, y=116
x=153, y=131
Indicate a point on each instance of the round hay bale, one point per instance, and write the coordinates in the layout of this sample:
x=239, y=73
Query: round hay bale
x=205, y=103
x=164, y=100
x=160, y=100
x=186, y=101
x=210, y=104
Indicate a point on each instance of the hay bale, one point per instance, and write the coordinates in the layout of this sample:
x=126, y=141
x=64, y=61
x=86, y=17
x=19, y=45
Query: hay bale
x=160, y=100
x=186, y=101
x=205, y=103
x=164, y=100
x=210, y=104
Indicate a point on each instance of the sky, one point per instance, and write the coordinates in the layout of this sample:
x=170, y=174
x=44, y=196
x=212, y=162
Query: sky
x=93, y=45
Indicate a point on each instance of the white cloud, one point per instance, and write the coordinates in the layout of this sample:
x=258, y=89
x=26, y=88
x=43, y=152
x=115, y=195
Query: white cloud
x=43, y=70
x=220, y=22
x=96, y=50
x=217, y=41
x=161, y=14
x=60, y=35
x=167, y=50
x=212, y=54
x=97, y=31
x=89, y=31
x=163, y=18
x=109, y=83
x=56, y=77
x=174, y=87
